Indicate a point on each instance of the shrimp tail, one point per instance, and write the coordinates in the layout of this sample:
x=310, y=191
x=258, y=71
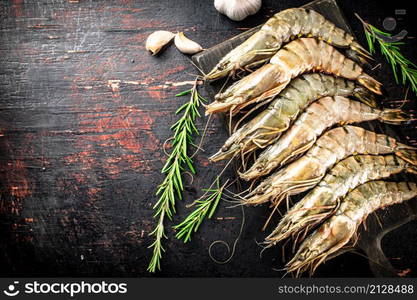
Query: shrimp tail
x=408, y=155
x=394, y=116
x=371, y=84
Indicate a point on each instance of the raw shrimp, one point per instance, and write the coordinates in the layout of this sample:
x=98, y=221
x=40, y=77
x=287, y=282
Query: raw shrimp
x=341, y=229
x=319, y=203
x=279, y=29
x=266, y=127
x=299, y=56
x=317, y=118
x=330, y=148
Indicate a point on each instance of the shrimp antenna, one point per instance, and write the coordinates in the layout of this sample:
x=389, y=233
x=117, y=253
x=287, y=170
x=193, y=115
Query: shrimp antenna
x=165, y=144
x=230, y=119
x=283, y=250
x=224, y=84
x=198, y=76
x=252, y=184
x=405, y=98
x=286, y=272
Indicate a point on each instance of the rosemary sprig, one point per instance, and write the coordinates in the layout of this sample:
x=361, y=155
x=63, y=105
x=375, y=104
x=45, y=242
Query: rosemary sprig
x=179, y=159
x=206, y=206
x=391, y=51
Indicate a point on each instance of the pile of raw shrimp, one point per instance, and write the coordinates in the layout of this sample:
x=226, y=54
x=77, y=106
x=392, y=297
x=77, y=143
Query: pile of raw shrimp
x=306, y=86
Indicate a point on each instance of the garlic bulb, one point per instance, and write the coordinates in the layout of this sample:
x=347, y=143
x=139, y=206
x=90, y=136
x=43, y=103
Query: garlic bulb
x=157, y=40
x=237, y=10
x=185, y=45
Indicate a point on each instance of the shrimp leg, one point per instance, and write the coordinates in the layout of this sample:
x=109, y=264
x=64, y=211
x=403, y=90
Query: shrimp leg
x=279, y=30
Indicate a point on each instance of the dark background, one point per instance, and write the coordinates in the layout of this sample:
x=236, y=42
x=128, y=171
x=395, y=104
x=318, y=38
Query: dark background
x=84, y=111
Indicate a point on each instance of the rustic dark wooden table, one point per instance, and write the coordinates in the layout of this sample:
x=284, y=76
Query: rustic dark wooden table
x=84, y=111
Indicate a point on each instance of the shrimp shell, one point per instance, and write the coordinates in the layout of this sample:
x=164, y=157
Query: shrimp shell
x=268, y=125
x=299, y=56
x=320, y=202
x=330, y=148
x=319, y=116
x=341, y=229
x=278, y=30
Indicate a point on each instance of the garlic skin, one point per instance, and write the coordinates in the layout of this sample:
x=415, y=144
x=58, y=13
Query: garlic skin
x=157, y=40
x=185, y=45
x=237, y=10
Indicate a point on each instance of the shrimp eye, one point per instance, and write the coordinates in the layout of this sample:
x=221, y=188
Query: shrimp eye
x=225, y=148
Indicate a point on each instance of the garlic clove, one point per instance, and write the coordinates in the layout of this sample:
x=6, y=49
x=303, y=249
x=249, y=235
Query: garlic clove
x=157, y=40
x=237, y=10
x=185, y=45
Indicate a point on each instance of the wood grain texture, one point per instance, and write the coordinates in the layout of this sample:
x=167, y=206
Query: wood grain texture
x=84, y=111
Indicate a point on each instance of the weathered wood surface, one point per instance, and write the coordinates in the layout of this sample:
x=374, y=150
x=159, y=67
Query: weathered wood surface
x=84, y=111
